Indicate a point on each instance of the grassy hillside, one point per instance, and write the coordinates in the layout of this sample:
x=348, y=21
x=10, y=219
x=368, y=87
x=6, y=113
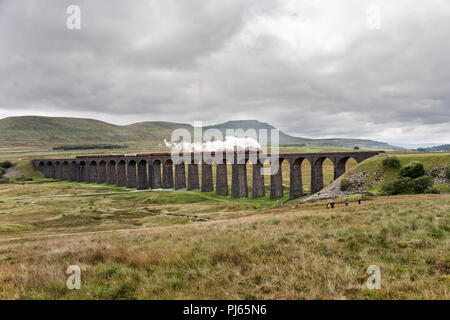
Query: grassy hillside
x=375, y=170
x=370, y=176
x=193, y=245
x=46, y=131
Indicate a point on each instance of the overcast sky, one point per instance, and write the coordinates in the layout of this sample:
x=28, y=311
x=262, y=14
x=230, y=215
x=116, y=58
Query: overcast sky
x=313, y=68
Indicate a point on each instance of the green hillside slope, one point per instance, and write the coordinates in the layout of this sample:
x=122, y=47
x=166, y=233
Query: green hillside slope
x=34, y=130
x=370, y=176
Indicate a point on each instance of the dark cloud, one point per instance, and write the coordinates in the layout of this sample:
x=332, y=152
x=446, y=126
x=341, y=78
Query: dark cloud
x=312, y=68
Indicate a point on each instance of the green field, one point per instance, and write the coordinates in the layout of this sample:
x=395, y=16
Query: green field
x=191, y=245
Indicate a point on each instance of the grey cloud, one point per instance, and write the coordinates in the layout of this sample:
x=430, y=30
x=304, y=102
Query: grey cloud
x=307, y=67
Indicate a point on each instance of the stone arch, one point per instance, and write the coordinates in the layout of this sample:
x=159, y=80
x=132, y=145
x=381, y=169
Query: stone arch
x=257, y=174
x=221, y=177
x=343, y=164
x=319, y=173
x=74, y=171
x=93, y=171
x=142, y=175
x=58, y=170
x=239, y=183
x=101, y=172
x=131, y=174
x=167, y=182
x=82, y=173
x=276, y=177
x=156, y=174
x=180, y=175
x=296, y=178
x=49, y=170
x=111, y=172
x=207, y=176
x=65, y=170
x=193, y=182
x=122, y=173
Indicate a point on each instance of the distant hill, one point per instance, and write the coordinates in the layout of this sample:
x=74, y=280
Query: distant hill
x=291, y=140
x=29, y=130
x=444, y=147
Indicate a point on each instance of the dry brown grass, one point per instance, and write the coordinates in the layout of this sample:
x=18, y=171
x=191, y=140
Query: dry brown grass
x=300, y=251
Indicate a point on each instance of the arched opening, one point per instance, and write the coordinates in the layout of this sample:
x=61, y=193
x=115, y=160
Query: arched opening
x=93, y=171
x=180, y=176
x=58, y=170
x=41, y=168
x=193, y=179
x=296, y=179
x=168, y=174
x=73, y=171
x=206, y=176
x=111, y=172
x=266, y=167
x=156, y=175
x=344, y=164
x=306, y=176
x=82, y=173
x=65, y=171
x=49, y=171
x=142, y=175
x=131, y=175
x=322, y=174
x=101, y=175
x=122, y=173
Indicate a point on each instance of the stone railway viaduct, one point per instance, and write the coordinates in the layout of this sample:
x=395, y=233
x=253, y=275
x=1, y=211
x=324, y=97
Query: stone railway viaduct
x=144, y=171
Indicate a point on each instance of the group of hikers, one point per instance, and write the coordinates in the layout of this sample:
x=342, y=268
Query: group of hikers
x=330, y=204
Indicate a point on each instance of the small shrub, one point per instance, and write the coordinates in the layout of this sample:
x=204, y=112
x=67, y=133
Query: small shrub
x=421, y=184
x=412, y=170
x=391, y=162
x=6, y=164
x=345, y=184
x=447, y=173
x=401, y=185
x=433, y=190
x=4, y=180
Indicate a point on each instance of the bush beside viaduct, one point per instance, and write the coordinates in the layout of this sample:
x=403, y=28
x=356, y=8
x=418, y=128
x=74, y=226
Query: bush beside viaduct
x=144, y=171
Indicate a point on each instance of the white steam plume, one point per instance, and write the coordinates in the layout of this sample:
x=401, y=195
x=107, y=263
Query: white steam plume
x=230, y=143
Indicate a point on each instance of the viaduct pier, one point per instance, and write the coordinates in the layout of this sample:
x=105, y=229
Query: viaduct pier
x=159, y=170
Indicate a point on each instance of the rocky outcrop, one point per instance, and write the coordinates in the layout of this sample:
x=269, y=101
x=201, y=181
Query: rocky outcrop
x=438, y=175
x=356, y=183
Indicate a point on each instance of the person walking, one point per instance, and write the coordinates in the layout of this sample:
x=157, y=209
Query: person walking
x=359, y=200
x=332, y=204
x=328, y=205
x=346, y=202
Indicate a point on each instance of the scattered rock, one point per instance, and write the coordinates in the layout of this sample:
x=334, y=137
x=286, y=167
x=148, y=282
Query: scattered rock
x=438, y=174
x=357, y=184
